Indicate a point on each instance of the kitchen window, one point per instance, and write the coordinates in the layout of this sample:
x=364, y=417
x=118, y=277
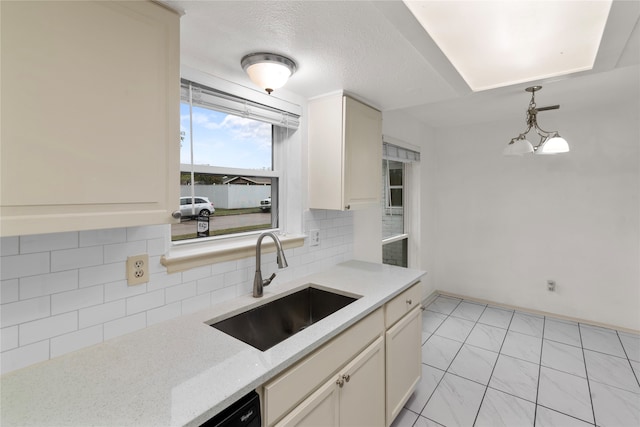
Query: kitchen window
x=400, y=168
x=231, y=153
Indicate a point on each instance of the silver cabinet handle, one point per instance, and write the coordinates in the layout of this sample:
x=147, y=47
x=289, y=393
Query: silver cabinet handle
x=346, y=377
x=409, y=302
x=340, y=382
x=347, y=207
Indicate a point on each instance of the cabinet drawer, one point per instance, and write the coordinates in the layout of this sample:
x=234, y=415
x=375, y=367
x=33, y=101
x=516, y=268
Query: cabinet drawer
x=287, y=390
x=401, y=305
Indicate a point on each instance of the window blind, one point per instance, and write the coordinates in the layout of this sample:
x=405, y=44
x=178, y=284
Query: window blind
x=211, y=98
x=399, y=154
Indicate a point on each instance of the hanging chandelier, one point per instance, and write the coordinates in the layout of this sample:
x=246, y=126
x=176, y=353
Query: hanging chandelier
x=550, y=142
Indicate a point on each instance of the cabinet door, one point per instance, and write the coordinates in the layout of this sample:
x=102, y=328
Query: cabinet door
x=363, y=155
x=321, y=409
x=90, y=137
x=362, y=396
x=403, y=351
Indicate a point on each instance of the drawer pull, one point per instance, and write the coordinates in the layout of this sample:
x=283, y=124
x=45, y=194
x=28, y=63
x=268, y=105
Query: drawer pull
x=346, y=377
x=340, y=382
x=409, y=302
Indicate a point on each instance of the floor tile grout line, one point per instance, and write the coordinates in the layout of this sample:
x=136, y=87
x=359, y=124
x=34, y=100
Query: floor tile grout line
x=564, y=413
x=535, y=410
x=493, y=369
x=445, y=370
x=627, y=356
x=586, y=372
x=545, y=322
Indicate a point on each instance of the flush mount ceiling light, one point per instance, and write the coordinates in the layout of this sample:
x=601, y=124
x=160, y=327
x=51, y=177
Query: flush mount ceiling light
x=268, y=70
x=499, y=43
x=550, y=142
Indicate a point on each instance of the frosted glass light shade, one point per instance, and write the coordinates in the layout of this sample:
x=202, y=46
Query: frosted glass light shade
x=518, y=148
x=269, y=75
x=268, y=70
x=554, y=145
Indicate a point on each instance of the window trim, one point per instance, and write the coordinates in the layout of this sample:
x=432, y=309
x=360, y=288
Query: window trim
x=183, y=255
x=410, y=200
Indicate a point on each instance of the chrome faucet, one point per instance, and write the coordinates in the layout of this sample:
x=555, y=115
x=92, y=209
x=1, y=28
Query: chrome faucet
x=258, y=283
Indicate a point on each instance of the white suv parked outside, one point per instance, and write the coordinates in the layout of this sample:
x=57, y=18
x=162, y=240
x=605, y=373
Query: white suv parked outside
x=265, y=204
x=202, y=206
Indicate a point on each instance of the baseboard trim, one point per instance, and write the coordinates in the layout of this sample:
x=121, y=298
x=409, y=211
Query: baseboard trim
x=437, y=293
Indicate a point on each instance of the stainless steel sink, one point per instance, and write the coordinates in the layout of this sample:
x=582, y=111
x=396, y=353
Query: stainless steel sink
x=271, y=323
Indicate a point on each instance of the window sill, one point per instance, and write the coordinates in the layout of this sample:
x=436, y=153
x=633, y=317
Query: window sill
x=182, y=258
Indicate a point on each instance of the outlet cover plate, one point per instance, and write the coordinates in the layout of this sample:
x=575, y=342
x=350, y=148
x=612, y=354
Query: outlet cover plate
x=137, y=269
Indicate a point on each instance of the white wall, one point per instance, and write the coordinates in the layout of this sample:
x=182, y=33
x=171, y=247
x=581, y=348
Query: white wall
x=505, y=225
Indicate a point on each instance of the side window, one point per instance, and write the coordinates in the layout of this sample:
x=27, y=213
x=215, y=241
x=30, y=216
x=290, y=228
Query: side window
x=397, y=167
x=228, y=159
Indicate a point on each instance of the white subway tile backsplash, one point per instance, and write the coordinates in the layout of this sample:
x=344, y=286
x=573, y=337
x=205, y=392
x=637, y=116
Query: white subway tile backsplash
x=120, y=251
x=102, y=313
x=125, y=325
x=15, y=266
x=210, y=284
x=25, y=311
x=74, y=300
x=180, y=292
x=8, y=338
x=101, y=274
x=156, y=247
x=120, y=289
x=163, y=313
x=223, y=267
x=71, y=292
x=145, y=302
x=197, y=303
x=76, y=340
x=235, y=277
x=24, y=356
x=76, y=258
x=103, y=237
x=9, y=291
x=42, y=329
x=196, y=273
x=163, y=280
x=9, y=245
x=48, y=242
x=47, y=284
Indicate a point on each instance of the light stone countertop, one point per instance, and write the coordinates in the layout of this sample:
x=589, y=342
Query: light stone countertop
x=182, y=372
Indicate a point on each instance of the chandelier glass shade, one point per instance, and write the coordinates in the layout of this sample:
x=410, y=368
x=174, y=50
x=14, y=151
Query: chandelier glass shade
x=550, y=141
x=268, y=71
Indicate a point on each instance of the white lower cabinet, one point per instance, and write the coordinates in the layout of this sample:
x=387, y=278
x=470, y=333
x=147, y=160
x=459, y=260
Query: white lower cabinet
x=403, y=339
x=404, y=359
x=352, y=397
x=362, y=377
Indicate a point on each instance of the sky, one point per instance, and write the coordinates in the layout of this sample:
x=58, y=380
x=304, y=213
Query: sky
x=221, y=139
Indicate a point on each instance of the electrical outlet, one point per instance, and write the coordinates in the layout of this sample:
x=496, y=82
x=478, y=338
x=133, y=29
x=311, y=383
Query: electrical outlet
x=551, y=285
x=137, y=269
x=314, y=237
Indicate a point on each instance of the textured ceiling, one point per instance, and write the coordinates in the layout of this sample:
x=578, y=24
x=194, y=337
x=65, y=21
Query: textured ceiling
x=379, y=52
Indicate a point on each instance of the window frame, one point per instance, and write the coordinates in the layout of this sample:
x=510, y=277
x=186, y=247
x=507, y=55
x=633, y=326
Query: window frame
x=410, y=202
x=183, y=255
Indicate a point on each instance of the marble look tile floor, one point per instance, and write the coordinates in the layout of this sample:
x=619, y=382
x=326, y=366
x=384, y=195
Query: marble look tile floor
x=489, y=366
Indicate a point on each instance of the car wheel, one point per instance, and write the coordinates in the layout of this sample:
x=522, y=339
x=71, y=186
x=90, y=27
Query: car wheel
x=204, y=212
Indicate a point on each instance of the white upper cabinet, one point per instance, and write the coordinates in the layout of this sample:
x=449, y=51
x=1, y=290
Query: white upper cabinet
x=90, y=115
x=345, y=153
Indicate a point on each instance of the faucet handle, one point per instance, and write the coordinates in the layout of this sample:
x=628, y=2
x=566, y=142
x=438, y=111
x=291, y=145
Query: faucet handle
x=266, y=282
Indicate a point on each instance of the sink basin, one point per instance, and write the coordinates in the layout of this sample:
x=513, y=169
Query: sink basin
x=271, y=323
